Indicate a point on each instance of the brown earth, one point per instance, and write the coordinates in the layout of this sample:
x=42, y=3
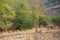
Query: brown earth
x=33, y=34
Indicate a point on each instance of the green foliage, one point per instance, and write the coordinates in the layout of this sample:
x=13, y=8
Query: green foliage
x=39, y=18
x=43, y=20
x=12, y=12
x=6, y=16
x=17, y=14
x=35, y=16
x=23, y=22
x=5, y=25
x=20, y=6
x=23, y=9
x=56, y=20
x=6, y=11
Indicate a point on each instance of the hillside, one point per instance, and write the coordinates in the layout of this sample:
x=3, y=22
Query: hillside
x=52, y=9
x=25, y=20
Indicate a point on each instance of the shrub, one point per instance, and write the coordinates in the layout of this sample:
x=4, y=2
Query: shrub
x=4, y=26
x=39, y=18
x=56, y=20
x=35, y=16
x=43, y=20
x=7, y=14
x=23, y=22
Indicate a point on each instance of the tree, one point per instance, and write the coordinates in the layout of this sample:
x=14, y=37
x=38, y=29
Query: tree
x=43, y=20
x=35, y=16
x=20, y=6
x=7, y=14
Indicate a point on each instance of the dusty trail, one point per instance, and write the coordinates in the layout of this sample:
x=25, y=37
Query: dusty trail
x=33, y=34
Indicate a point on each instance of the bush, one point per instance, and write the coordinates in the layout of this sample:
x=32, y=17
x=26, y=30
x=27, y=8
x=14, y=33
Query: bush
x=56, y=20
x=7, y=14
x=39, y=18
x=4, y=26
x=23, y=22
x=35, y=16
x=43, y=20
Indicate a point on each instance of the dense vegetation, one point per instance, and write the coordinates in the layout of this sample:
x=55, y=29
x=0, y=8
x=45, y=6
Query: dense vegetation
x=56, y=20
x=17, y=14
